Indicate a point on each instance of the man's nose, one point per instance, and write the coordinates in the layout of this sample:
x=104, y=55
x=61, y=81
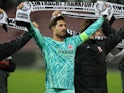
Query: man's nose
x=64, y=27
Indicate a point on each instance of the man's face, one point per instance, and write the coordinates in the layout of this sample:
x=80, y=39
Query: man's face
x=60, y=29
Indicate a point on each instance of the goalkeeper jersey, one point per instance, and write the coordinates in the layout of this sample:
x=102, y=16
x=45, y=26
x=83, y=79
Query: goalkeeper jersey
x=59, y=56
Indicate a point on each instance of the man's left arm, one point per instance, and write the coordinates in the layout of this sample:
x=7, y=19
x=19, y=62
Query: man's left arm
x=92, y=29
x=107, y=29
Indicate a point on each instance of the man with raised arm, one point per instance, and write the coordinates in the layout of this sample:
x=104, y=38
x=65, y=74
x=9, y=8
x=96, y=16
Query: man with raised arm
x=7, y=49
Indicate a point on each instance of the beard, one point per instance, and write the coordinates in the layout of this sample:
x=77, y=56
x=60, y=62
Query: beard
x=61, y=36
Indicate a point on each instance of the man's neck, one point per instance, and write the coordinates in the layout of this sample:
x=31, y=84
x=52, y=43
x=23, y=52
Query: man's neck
x=58, y=39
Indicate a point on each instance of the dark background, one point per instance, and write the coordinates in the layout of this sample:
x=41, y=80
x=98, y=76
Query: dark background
x=29, y=55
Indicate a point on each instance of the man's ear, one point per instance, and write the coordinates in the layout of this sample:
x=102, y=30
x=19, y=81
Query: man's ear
x=52, y=28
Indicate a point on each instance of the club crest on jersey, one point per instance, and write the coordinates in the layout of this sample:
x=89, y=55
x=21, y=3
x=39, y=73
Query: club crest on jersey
x=99, y=49
x=70, y=46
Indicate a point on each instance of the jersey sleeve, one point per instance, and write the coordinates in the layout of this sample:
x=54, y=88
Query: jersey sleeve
x=39, y=39
x=9, y=48
x=92, y=29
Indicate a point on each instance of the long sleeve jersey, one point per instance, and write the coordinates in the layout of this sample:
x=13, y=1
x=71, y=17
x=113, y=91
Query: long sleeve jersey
x=59, y=56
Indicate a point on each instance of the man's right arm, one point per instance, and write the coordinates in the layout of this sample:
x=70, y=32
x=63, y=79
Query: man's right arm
x=9, y=48
x=35, y=33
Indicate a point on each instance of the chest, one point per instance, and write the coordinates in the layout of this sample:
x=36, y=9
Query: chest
x=64, y=49
x=91, y=52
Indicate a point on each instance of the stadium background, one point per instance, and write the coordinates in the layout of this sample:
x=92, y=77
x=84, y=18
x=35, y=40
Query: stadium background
x=29, y=76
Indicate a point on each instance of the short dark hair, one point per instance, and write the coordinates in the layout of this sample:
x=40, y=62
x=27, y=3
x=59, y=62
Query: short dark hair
x=87, y=23
x=53, y=22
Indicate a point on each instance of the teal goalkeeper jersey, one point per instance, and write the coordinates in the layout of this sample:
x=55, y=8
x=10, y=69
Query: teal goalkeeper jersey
x=59, y=56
